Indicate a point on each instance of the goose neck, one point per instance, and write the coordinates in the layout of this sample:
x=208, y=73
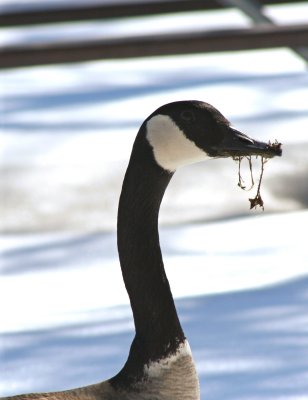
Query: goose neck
x=140, y=256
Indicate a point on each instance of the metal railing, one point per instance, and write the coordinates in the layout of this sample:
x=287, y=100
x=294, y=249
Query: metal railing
x=262, y=35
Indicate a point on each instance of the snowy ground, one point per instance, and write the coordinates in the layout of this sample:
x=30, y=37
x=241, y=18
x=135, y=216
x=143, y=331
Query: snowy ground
x=66, y=136
x=243, y=305
x=69, y=129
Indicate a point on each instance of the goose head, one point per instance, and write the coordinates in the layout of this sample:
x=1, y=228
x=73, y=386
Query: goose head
x=185, y=132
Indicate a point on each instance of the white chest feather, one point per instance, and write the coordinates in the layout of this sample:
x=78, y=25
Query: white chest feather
x=155, y=369
x=173, y=377
x=172, y=149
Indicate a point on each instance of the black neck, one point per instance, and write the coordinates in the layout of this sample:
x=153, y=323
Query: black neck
x=158, y=330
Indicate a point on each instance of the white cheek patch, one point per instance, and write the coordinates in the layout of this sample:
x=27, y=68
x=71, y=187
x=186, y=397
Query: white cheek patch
x=172, y=149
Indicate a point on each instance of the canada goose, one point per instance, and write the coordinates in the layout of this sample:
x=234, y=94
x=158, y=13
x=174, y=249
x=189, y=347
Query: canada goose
x=160, y=364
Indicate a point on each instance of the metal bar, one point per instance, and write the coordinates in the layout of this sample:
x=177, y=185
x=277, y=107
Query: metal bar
x=109, y=10
x=254, y=10
x=158, y=45
x=104, y=11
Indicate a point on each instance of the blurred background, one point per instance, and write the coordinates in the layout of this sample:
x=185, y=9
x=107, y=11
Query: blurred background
x=77, y=80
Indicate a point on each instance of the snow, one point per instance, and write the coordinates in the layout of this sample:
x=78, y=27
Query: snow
x=242, y=299
x=239, y=277
x=73, y=132
x=218, y=260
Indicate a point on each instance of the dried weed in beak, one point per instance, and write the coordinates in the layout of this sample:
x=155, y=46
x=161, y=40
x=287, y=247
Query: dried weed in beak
x=257, y=200
x=241, y=182
x=275, y=146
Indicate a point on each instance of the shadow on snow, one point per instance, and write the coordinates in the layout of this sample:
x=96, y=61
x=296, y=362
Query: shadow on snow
x=247, y=345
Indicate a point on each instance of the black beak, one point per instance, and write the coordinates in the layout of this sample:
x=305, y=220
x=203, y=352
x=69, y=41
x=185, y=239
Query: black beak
x=237, y=144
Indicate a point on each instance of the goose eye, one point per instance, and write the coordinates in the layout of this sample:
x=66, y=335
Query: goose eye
x=188, y=116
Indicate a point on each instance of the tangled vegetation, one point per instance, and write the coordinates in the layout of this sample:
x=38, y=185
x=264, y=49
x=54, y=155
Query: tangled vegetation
x=257, y=201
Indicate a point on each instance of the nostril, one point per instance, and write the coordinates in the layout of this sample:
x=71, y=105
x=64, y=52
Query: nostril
x=245, y=139
x=241, y=137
